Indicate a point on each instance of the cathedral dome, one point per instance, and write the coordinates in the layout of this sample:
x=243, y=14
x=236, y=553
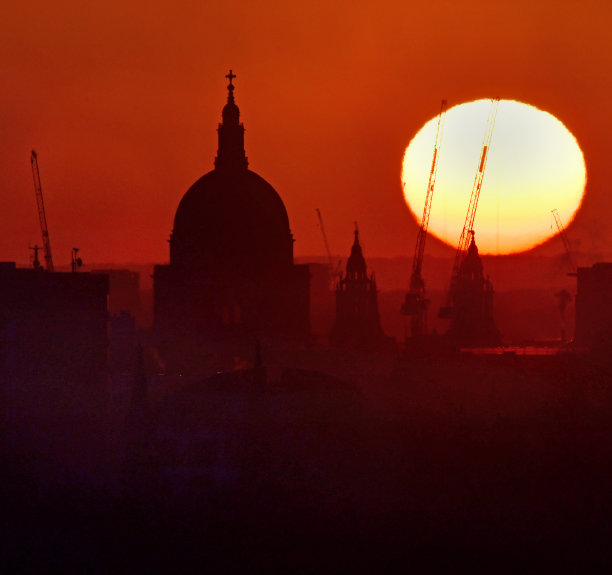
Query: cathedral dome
x=231, y=220
x=231, y=273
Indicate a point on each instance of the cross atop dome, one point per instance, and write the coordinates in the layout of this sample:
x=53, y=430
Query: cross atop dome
x=230, y=153
x=230, y=87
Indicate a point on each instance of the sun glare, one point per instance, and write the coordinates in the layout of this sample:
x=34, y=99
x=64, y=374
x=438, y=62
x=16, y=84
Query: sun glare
x=534, y=165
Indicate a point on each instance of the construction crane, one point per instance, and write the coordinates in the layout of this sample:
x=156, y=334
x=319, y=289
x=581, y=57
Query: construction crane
x=41, y=212
x=564, y=296
x=333, y=271
x=564, y=238
x=468, y=226
x=416, y=303
x=329, y=256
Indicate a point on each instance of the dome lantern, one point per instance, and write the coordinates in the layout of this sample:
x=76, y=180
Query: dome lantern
x=230, y=152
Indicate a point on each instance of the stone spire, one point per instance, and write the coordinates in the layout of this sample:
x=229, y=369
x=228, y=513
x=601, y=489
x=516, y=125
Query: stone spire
x=472, y=322
x=356, y=268
x=357, y=322
x=230, y=153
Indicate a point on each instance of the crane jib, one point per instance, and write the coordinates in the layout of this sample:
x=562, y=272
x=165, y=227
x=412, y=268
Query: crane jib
x=416, y=303
x=41, y=211
x=433, y=162
x=482, y=159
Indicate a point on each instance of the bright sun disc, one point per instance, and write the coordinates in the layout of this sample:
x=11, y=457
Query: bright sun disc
x=534, y=166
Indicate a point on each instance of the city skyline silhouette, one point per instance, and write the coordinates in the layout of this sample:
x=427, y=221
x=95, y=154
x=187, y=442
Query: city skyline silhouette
x=233, y=361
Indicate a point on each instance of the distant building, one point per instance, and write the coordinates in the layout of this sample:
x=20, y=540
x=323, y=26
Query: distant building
x=124, y=294
x=322, y=299
x=357, y=322
x=231, y=265
x=594, y=308
x=472, y=323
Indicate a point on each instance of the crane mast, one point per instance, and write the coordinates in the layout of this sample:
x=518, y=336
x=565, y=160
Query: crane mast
x=468, y=226
x=41, y=211
x=417, y=262
x=329, y=256
x=333, y=271
x=415, y=304
x=564, y=239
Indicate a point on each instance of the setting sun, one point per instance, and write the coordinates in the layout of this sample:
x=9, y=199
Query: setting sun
x=534, y=165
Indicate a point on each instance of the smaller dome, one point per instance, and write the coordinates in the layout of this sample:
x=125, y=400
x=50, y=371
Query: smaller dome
x=231, y=114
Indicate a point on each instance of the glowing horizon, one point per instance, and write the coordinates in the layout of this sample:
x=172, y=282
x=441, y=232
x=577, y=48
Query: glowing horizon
x=534, y=165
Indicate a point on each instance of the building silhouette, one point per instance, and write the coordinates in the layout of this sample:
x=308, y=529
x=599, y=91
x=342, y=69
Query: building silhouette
x=53, y=328
x=231, y=265
x=357, y=322
x=472, y=322
x=53, y=373
x=593, y=309
x=124, y=291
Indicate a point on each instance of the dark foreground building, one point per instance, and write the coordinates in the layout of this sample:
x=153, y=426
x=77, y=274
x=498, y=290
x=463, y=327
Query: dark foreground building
x=593, y=307
x=53, y=376
x=53, y=327
x=357, y=318
x=231, y=265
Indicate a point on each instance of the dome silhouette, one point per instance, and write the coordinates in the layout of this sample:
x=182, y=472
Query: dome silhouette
x=231, y=219
x=231, y=269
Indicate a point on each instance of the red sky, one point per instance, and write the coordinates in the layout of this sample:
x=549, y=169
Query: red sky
x=121, y=100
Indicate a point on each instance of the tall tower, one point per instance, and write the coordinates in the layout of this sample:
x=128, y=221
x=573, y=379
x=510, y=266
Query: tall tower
x=472, y=322
x=357, y=322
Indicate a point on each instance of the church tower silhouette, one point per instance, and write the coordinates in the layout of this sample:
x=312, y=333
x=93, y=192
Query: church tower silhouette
x=472, y=322
x=231, y=252
x=357, y=322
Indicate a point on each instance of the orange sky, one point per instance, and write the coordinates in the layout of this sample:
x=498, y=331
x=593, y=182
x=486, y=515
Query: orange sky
x=121, y=100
